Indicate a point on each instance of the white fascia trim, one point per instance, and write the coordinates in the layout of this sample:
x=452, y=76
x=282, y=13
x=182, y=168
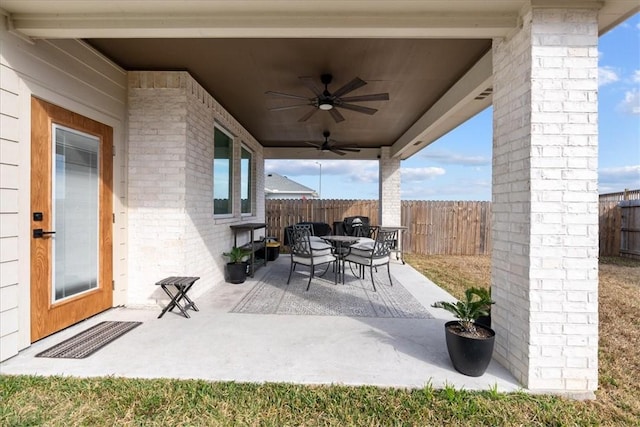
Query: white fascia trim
x=455, y=106
x=248, y=25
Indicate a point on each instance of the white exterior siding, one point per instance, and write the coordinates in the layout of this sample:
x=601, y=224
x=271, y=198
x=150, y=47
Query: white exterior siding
x=9, y=218
x=70, y=74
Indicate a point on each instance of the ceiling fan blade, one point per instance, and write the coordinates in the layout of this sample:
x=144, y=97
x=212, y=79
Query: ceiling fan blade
x=338, y=152
x=318, y=146
x=311, y=85
x=308, y=115
x=350, y=149
x=285, y=95
x=349, y=87
x=288, y=107
x=358, y=108
x=336, y=115
x=362, y=98
x=336, y=144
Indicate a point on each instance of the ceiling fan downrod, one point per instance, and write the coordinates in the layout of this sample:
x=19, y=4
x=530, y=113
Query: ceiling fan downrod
x=326, y=103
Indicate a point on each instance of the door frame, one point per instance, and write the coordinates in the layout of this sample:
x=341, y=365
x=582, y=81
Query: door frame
x=46, y=316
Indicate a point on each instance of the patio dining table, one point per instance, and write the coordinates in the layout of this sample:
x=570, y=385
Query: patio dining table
x=340, y=243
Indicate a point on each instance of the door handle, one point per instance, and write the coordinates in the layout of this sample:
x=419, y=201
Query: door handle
x=39, y=233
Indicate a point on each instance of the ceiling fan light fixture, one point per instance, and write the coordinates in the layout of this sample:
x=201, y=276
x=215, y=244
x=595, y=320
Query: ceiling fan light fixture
x=325, y=105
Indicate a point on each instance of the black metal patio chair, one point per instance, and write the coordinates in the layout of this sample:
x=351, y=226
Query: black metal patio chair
x=309, y=252
x=373, y=254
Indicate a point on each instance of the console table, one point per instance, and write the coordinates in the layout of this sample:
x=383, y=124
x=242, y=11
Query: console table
x=252, y=246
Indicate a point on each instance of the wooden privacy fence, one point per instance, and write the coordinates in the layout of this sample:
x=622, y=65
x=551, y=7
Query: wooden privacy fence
x=620, y=196
x=609, y=233
x=454, y=227
x=620, y=224
x=447, y=228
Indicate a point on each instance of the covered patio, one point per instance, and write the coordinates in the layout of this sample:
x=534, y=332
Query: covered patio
x=219, y=345
x=179, y=90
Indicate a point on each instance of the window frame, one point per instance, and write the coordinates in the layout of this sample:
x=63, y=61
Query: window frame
x=250, y=180
x=230, y=160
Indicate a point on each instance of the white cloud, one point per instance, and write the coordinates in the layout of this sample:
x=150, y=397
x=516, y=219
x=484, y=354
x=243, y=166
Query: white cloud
x=365, y=176
x=450, y=158
x=618, y=178
x=312, y=167
x=347, y=167
x=419, y=192
x=636, y=76
x=420, y=174
x=631, y=102
x=607, y=75
x=457, y=190
x=620, y=172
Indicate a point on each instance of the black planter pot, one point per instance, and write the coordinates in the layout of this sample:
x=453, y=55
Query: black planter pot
x=236, y=272
x=470, y=356
x=485, y=320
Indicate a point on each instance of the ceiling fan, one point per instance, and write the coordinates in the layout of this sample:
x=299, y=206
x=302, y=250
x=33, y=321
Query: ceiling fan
x=330, y=145
x=327, y=101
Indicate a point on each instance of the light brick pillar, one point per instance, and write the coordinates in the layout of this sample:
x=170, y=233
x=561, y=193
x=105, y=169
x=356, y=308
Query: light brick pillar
x=545, y=201
x=172, y=227
x=389, y=188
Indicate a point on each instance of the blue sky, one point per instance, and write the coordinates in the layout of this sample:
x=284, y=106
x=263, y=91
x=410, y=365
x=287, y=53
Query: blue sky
x=458, y=165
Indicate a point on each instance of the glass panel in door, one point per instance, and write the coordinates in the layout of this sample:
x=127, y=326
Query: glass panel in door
x=76, y=189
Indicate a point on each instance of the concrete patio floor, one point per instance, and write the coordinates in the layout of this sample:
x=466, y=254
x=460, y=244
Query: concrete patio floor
x=217, y=345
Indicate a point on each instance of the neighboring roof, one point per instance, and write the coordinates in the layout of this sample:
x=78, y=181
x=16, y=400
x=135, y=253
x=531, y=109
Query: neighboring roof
x=277, y=184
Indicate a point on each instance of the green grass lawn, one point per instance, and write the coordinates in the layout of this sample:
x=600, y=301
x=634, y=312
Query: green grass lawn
x=56, y=401
x=113, y=401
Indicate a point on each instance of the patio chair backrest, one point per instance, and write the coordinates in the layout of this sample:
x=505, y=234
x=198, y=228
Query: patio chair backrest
x=385, y=240
x=299, y=240
x=305, y=225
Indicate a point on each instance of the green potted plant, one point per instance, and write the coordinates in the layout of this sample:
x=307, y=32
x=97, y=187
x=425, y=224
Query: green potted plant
x=237, y=267
x=484, y=294
x=470, y=344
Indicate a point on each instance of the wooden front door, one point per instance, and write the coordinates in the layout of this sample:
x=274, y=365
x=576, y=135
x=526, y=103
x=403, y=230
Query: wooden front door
x=71, y=218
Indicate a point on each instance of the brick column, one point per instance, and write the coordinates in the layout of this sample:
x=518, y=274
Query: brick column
x=389, y=188
x=173, y=231
x=156, y=187
x=545, y=201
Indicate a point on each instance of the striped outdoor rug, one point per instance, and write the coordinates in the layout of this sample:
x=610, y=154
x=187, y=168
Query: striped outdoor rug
x=356, y=298
x=88, y=342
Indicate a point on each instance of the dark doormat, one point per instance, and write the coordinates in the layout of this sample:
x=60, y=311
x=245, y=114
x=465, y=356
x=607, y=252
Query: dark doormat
x=88, y=342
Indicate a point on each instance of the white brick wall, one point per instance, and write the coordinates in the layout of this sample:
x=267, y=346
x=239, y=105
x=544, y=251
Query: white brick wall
x=545, y=201
x=389, y=191
x=173, y=230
